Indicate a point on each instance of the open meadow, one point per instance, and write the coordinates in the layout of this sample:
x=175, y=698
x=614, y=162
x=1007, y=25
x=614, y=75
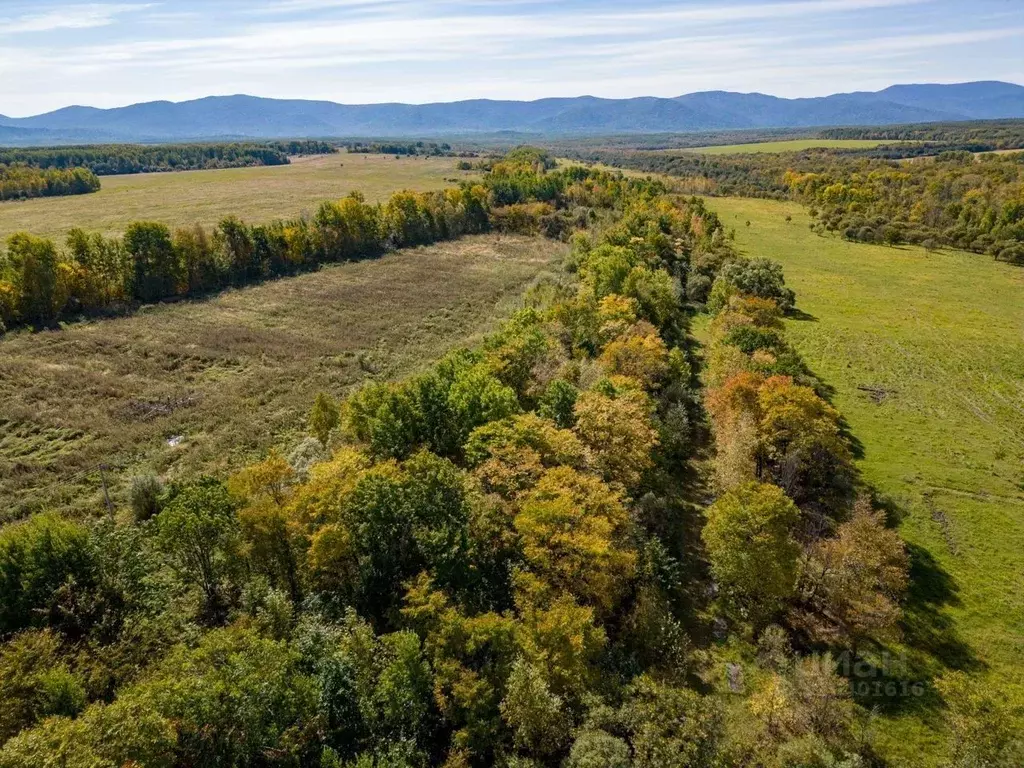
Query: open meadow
x=206, y=386
x=205, y=197
x=791, y=145
x=925, y=352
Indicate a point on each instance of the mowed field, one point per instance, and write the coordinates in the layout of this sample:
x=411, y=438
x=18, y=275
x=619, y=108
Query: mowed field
x=206, y=197
x=207, y=386
x=793, y=145
x=925, y=352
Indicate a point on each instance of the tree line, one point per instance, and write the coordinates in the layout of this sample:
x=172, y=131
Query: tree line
x=408, y=149
x=20, y=182
x=989, y=134
x=116, y=159
x=507, y=559
x=955, y=199
x=42, y=283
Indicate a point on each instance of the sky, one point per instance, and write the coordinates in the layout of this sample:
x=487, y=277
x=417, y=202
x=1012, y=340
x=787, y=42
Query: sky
x=55, y=53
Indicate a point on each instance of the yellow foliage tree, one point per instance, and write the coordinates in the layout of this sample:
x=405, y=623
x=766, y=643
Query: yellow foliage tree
x=322, y=499
x=573, y=530
x=800, y=443
x=615, y=315
x=558, y=636
x=619, y=432
x=638, y=353
x=510, y=455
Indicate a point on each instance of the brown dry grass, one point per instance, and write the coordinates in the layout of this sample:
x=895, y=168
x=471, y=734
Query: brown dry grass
x=206, y=197
x=239, y=371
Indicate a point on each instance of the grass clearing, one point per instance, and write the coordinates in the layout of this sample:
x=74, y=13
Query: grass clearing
x=791, y=145
x=236, y=374
x=925, y=352
x=206, y=197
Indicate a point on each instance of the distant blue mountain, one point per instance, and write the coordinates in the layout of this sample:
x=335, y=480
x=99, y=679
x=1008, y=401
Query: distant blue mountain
x=252, y=117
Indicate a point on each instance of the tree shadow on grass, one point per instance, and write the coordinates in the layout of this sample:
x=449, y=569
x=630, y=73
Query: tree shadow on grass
x=900, y=681
x=799, y=314
x=827, y=392
x=856, y=446
x=926, y=627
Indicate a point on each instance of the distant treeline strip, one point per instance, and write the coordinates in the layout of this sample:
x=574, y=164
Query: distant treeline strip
x=114, y=159
x=18, y=182
x=989, y=135
x=415, y=148
x=40, y=283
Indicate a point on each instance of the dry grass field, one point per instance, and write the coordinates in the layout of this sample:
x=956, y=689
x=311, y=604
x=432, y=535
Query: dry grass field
x=234, y=375
x=791, y=145
x=205, y=197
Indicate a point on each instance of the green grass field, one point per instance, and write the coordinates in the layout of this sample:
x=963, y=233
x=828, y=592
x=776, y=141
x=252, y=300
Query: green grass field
x=235, y=375
x=793, y=145
x=205, y=197
x=925, y=352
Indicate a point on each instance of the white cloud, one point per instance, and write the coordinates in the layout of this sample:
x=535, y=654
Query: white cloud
x=913, y=42
x=69, y=17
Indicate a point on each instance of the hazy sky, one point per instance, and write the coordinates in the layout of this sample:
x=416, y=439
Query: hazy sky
x=59, y=52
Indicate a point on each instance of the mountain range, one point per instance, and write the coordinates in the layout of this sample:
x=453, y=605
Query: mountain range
x=254, y=117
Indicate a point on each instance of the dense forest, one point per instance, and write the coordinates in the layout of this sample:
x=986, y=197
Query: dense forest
x=689, y=140
x=114, y=159
x=988, y=135
x=955, y=198
x=760, y=175
x=554, y=549
x=19, y=181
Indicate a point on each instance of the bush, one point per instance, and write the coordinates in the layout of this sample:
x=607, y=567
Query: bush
x=35, y=683
x=750, y=339
x=762, y=278
x=597, y=749
x=144, y=493
x=1012, y=253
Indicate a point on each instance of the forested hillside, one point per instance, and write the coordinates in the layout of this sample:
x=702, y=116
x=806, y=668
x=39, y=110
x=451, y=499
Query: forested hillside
x=565, y=546
x=253, y=117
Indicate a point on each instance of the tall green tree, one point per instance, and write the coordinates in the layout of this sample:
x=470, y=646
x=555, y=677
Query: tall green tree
x=158, y=272
x=33, y=264
x=750, y=543
x=198, y=530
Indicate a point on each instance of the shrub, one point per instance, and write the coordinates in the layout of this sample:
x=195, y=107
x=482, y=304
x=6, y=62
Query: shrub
x=144, y=494
x=761, y=278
